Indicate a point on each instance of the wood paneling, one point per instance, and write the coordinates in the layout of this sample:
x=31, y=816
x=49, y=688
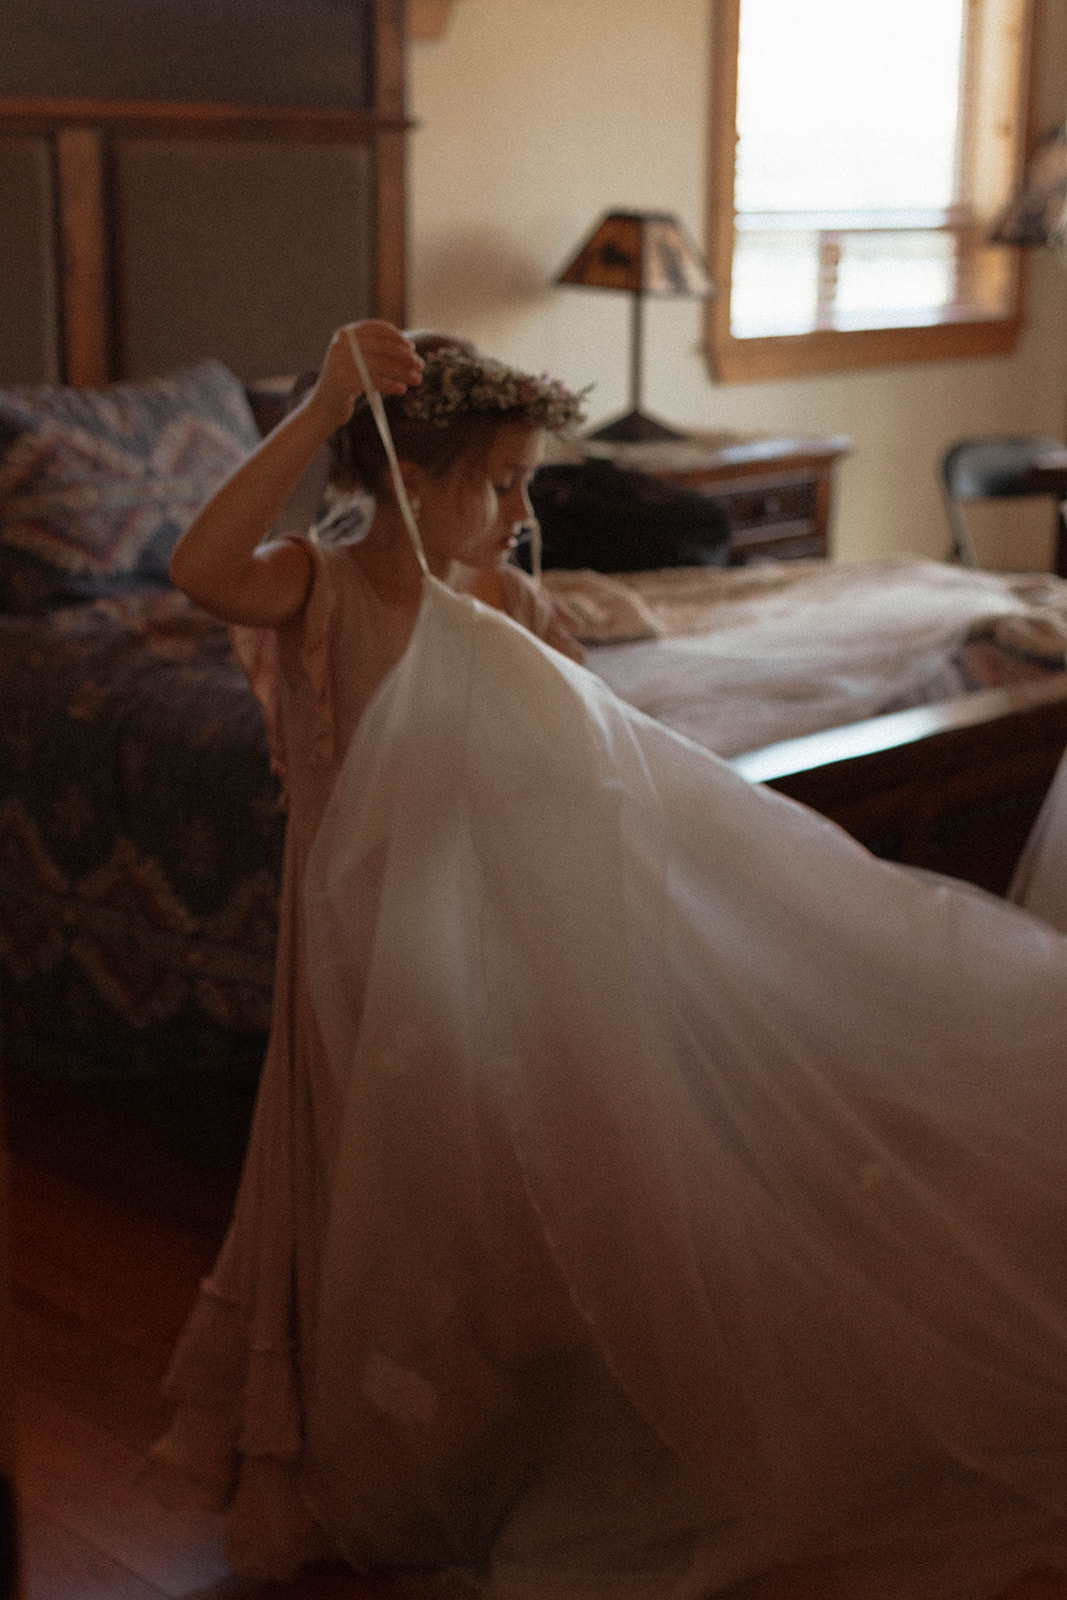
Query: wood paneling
x=83, y=255
x=30, y=341
x=253, y=52
x=187, y=120
x=299, y=222
x=249, y=251
x=392, y=241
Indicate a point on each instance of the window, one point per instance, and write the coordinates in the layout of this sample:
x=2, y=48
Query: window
x=859, y=154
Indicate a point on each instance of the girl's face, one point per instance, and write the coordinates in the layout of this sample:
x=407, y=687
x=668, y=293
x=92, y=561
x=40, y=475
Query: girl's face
x=474, y=513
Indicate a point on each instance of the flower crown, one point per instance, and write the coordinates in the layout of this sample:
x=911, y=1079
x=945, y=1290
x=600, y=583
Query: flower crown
x=454, y=381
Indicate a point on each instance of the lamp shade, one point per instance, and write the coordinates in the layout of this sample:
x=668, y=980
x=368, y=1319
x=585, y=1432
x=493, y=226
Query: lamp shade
x=1037, y=212
x=645, y=252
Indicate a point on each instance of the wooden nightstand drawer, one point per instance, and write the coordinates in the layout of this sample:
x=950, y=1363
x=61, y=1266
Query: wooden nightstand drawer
x=775, y=491
x=788, y=502
x=783, y=541
x=777, y=520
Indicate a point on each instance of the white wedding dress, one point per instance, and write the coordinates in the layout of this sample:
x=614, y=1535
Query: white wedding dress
x=700, y=1197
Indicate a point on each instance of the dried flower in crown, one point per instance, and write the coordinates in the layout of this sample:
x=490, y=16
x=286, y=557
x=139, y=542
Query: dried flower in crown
x=454, y=381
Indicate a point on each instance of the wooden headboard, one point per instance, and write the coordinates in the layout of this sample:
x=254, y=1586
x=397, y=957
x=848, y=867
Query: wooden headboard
x=196, y=180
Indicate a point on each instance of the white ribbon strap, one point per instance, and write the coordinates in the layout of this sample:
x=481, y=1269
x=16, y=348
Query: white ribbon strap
x=374, y=400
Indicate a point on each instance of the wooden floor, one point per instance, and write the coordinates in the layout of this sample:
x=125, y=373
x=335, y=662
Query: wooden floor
x=100, y=1289
x=99, y=1293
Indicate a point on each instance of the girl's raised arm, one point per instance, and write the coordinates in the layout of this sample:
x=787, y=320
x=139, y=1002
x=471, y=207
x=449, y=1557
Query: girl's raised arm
x=220, y=561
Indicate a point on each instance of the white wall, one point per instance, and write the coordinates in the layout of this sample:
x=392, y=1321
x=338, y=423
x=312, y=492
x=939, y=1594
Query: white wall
x=537, y=115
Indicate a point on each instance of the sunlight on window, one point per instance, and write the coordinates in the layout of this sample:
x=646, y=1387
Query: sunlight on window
x=847, y=106
x=848, y=160
x=776, y=283
x=883, y=279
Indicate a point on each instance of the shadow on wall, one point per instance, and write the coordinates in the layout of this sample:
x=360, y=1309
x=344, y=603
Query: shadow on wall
x=475, y=270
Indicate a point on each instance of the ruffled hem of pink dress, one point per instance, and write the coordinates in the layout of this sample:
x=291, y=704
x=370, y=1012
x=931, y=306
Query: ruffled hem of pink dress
x=243, y=1459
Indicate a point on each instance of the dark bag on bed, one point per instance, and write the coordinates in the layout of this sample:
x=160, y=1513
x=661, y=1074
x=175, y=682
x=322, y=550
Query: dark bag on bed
x=613, y=519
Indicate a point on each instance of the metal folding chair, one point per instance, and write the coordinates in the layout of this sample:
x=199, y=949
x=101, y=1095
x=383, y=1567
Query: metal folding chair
x=996, y=468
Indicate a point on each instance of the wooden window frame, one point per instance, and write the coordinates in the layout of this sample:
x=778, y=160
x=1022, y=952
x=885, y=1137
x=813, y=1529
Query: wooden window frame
x=823, y=350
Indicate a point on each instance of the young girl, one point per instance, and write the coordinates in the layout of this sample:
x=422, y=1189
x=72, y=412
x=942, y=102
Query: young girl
x=648, y=1188
x=318, y=630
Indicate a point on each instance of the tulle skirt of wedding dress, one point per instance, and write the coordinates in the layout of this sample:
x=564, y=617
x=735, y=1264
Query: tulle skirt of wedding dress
x=701, y=1197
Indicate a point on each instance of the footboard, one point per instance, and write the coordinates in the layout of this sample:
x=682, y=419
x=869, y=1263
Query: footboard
x=954, y=787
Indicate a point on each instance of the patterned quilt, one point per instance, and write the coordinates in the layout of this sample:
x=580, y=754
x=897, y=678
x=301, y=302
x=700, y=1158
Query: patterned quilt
x=140, y=841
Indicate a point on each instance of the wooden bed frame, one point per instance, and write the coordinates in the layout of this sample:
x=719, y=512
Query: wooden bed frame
x=953, y=787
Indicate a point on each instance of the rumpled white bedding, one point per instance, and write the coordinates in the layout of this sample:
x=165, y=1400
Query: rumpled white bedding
x=758, y=655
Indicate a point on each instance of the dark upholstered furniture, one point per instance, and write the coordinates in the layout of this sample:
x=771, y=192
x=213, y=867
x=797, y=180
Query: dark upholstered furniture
x=614, y=519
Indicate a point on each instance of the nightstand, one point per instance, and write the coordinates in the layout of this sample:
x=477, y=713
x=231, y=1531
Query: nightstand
x=775, y=491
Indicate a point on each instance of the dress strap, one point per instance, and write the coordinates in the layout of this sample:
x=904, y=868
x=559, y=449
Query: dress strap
x=374, y=400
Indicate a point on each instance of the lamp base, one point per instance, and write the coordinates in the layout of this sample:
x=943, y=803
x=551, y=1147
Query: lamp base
x=634, y=428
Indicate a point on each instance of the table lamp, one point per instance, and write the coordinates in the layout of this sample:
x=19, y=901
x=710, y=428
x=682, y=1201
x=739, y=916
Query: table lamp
x=644, y=253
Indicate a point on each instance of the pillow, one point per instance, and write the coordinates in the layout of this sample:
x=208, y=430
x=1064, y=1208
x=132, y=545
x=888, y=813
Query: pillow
x=613, y=519
x=97, y=484
x=604, y=609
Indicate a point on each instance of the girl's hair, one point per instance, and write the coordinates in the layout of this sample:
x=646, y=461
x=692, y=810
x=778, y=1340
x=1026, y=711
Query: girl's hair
x=463, y=401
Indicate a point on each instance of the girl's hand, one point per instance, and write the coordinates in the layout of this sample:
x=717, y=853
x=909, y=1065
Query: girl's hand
x=391, y=361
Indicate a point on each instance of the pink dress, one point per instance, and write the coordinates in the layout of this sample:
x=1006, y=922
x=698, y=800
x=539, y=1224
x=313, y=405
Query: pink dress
x=236, y=1377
